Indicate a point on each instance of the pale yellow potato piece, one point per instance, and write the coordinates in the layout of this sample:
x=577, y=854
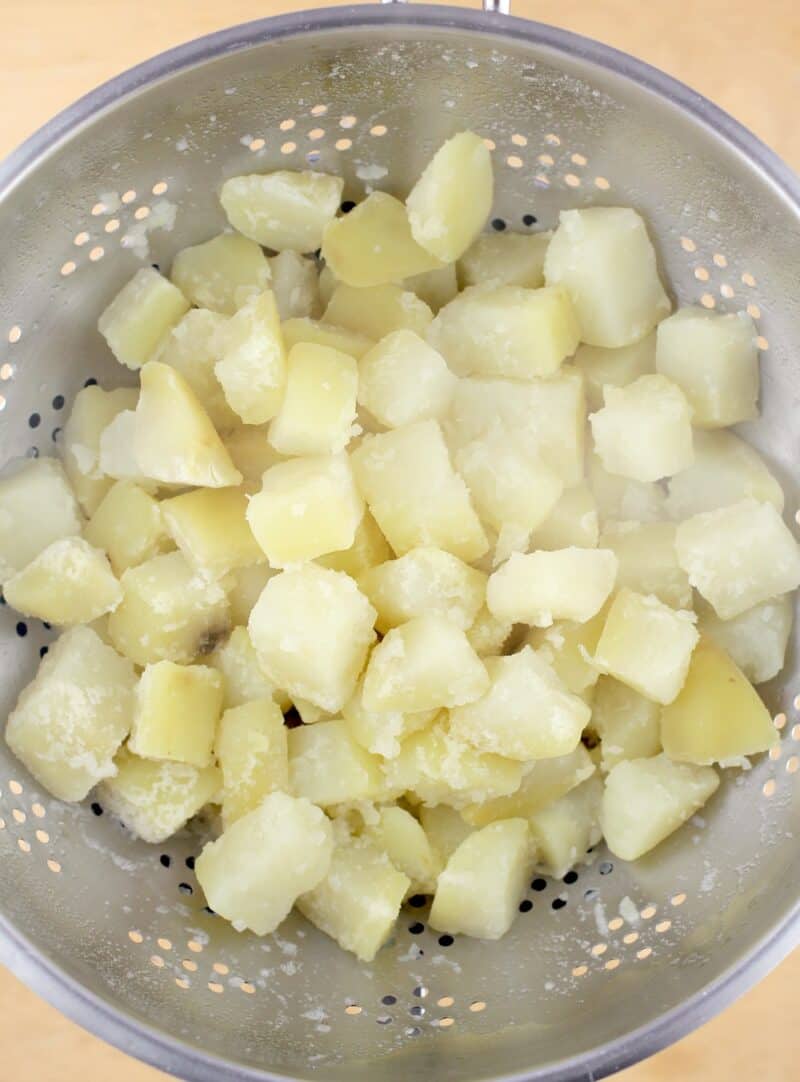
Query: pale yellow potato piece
x=605, y=259
x=414, y=493
x=614, y=367
x=425, y=580
x=725, y=470
x=222, y=273
x=69, y=722
x=369, y=548
x=128, y=526
x=398, y=834
x=253, y=874
x=451, y=202
x=644, y=431
x=69, y=582
x=540, y=587
x=563, y=831
x=252, y=368
x=140, y=317
x=252, y=751
x=306, y=507
x=444, y=829
x=402, y=380
x=176, y=715
x=505, y=259
x=37, y=507
x=738, y=556
x=488, y=635
x=245, y=589
x=174, y=440
x=318, y=409
x=484, y=881
x=573, y=522
x=168, y=612
x=648, y=560
x=283, y=210
x=193, y=347
x=718, y=716
x=359, y=900
x=92, y=410
x=436, y=287
x=321, y=333
x=568, y=647
x=381, y=732
x=327, y=283
x=375, y=311
x=756, y=639
x=312, y=629
x=628, y=724
x=155, y=799
x=295, y=283
x=646, y=800
x=252, y=453
x=118, y=452
x=714, y=359
x=309, y=713
x=243, y=680
x=328, y=767
x=210, y=528
x=622, y=499
x=647, y=645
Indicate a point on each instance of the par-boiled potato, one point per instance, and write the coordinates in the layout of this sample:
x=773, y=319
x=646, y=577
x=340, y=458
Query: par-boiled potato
x=252, y=367
x=319, y=402
x=725, y=470
x=37, y=507
x=568, y=647
x=572, y=523
x=435, y=287
x=375, y=311
x=282, y=210
x=222, y=273
x=402, y=379
x=69, y=582
x=488, y=636
x=243, y=679
x=252, y=751
x=540, y=587
x=92, y=411
x=505, y=259
x=563, y=831
x=647, y=560
x=176, y=715
x=141, y=316
x=398, y=834
x=295, y=285
x=382, y=731
x=328, y=767
x=210, y=528
x=621, y=499
x=756, y=639
x=369, y=548
x=628, y=724
x=128, y=526
x=445, y=829
x=193, y=347
x=320, y=333
x=614, y=367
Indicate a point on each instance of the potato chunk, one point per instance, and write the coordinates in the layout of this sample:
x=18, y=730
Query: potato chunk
x=572, y=523
x=92, y=411
x=118, y=452
x=177, y=710
x=451, y=201
x=282, y=210
x=648, y=561
x=562, y=831
x=415, y=494
x=319, y=405
x=375, y=311
x=398, y=834
x=211, y=530
x=369, y=548
x=488, y=635
x=738, y=556
x=568, y=648
x=222, y=273
x=604, y=257
x=506, y=331
x=359, y=900
x=381, y=732
x=484, y=881
x=243, y=680
x=252, y=751
x=756, y=639
x=168, y=612
x=725, y=470
x=69, y=582
x=714, y=360
x=245, y=589
x=37, y=507
x=69, y=722
x=140, y=317
x=525, y=714
x=252, y=874
x=128, y=526
x=540, y=587
x=629, y=726
x=252, y=453
x=647, y=645
x=312, y=629
x=252, y=368
x=622, y=499
x=328, y=767
x=402, y=380
x=614, y=367
x=306, y=507
x=646, y=800
x=193, y=347
x=320, y=333
x=435, y=287
x=505, y=259
x=644, y=431
x=295, y=283
x=444, y=829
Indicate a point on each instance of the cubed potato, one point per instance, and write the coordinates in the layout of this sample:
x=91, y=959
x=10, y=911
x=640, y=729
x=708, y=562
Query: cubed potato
x=252, y=453
x=69, y=582
x=245, y=589
x=505, y=259
x=647, y=645
x=92, y=410
x=243, y=680
x=193, y=347
x=373, y=245
x=155, y=799
x=306, y=507
x=426, y=663
x=621, y=499
x=568, y=647
x=140, y=317
x=222, y=273
x=176, y=715
x=118, y=452
x=398, y=834
x=425, y=580
x=70, y=721
x=37, y=507
x=319, y=405
x=328, y=767
x=563, y=831
x=435, y=287
x=488, y=635
x=128, y=526
x=283, y=210
x=369, y=548
x=174, y=441
x=451, y=202
x=484, y=881
x=644, y=431
x=629, y=726
x=444, y=829
x=402, y=380
x=714, y=360
x=646, y=800
x=252, y=751
x=375, y=311
x=320, y=333
x=295, y=283
x=506, y=331
x=168, y=612
x=756, y=639
x=253, y=874
x=381, y=732
x=359, y=900
x=648, y=561
x=327, y=283
x=414, y=493
x=604, y=257
x=572, y=523
x=738, y=556
x=210, y=528
x=540, y=587
x=718, y=715
x=252, y=368
x=312, y=629
x=725, y=470
x=614, y=367
x=525, y=714
x=309, y=713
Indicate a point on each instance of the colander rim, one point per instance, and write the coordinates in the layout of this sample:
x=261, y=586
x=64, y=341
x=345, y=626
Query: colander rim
x=34, y=967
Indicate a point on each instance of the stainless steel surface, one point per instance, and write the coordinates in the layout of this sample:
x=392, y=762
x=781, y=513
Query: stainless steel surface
x=96, y=921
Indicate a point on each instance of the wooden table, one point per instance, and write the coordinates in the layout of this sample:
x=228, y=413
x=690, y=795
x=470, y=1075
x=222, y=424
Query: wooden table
x=55, y=51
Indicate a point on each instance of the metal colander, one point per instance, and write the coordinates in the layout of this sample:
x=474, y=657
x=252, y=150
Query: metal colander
x=615, y=960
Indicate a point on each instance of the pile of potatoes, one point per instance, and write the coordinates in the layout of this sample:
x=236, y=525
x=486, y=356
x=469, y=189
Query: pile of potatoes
x=426, y=559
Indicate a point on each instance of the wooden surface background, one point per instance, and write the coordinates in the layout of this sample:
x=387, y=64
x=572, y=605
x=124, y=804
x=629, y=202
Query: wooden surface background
x=745, y=56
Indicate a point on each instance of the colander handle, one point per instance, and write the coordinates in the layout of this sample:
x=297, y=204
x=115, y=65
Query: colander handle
x=501, y=7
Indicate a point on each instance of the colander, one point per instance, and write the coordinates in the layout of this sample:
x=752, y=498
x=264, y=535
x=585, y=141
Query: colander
x=602, y=967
